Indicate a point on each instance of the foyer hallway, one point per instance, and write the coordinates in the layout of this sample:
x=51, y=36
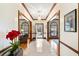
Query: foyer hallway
x=45, y=29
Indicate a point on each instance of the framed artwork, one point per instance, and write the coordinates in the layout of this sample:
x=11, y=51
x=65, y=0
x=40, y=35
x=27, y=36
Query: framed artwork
x=70, y=21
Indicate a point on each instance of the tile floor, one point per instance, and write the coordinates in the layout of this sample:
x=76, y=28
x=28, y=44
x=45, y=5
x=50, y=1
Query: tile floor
x=44, y=50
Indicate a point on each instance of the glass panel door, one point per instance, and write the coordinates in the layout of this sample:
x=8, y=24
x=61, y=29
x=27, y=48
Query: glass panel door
x=24, y=26
x=39, y=30
x=53, y=29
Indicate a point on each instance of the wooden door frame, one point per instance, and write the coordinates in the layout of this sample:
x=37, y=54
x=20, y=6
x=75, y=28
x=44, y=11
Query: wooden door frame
x=48, y=38
x=42, y=28
x=78, y=29
x=59, y=36
x=30, y=24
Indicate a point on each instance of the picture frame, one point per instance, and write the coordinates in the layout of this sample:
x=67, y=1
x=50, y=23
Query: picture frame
x=70, y=21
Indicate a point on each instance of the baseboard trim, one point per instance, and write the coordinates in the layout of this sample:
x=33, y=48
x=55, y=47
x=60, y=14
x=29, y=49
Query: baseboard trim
x=4, y=49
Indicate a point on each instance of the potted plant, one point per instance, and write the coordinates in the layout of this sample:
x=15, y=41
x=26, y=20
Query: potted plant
x=12, y=36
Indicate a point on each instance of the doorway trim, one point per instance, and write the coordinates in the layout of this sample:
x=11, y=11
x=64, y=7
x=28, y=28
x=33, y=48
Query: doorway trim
x=48, y=37
x=42, y=28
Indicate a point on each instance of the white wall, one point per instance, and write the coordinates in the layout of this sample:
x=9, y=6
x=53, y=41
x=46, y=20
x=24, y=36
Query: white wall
x=66, y=51
x=70, y=38
x=8, y=22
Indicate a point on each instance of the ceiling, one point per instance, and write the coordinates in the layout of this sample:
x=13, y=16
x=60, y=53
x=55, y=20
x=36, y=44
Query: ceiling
x=37, y=10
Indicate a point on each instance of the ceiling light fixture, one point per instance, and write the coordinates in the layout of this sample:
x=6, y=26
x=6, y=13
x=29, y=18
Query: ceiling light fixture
x=39, y=17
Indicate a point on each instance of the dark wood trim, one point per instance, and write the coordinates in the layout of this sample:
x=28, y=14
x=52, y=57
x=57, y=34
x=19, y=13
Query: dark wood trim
x=57, y=13
x=34, y=38
x=29, y=24
x=39, y=38
x=51, y=10
x=43, y=19
x=37, y=19
x=69, y=47
x=30, y=31
x=44, y=37
x=59, y=34
x=4, y=49
x=26, y=9
x=47, y=31
x=20, y=13
x=78, y=28
x=42, y=27
x=48, y=37
x=5, y=52
x=18, y=21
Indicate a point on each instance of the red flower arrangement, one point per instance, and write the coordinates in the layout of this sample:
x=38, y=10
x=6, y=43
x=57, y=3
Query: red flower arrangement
x=13, y=34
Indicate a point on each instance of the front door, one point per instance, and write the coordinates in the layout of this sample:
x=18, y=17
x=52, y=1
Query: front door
x=39, y=36
x=39, y=30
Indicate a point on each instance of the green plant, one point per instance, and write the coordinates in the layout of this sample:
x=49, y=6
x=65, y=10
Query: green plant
x=12, y=36
x=14, y=46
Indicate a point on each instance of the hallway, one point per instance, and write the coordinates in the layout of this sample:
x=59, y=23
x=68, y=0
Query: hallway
x=39, y=29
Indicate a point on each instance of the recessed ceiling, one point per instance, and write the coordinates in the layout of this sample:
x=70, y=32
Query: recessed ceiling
x=39, y=9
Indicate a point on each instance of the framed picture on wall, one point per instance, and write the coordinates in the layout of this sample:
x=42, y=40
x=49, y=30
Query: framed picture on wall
x=70, y=21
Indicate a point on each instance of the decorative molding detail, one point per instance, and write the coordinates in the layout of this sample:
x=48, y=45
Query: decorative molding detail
x=26, y=9
x=36, y=19
x=20, y=13
x=57, y=13
x=51, y=10
x=30, y=31
x=48, y=37
x=69, y=47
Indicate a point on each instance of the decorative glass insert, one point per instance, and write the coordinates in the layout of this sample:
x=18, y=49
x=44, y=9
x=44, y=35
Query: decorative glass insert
x=53, y=29
x=24, y=26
